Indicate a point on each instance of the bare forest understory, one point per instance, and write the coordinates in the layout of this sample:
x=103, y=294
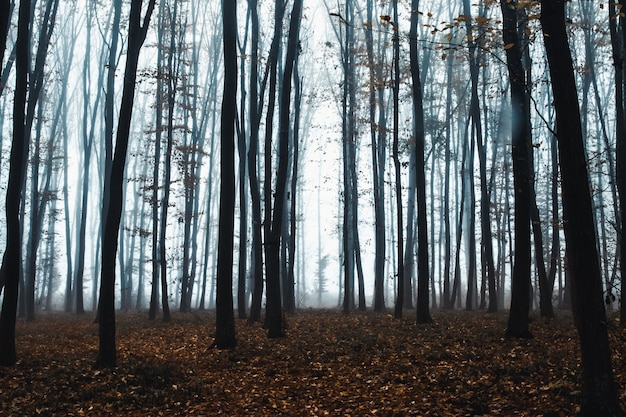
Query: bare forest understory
x=363, y=364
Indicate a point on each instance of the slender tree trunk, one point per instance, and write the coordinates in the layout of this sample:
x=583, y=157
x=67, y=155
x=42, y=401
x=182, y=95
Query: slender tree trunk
x=290, y=299
x=255, y=193
x=12, y=260
x=274, y=308
x=225, y=318
x=396, y=162
x=243, y=194
x=107, y=353
x=423, y=272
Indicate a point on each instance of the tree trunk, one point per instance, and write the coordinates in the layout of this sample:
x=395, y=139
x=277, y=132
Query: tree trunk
x=521, y=139
x=423, y=272
x=618, y=35
x=12, y=260
x=255, y=193
x=274, y=319
x=599, y=394
x=225, y=318
x=107, y=354
x=396, y=163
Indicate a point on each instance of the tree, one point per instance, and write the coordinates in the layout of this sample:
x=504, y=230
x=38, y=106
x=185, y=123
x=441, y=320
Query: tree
x=396, y=161
x=274, y=320
x=107, y=354
x=599, y=395
x=423, y=274
x=617, y=31
x=12, y=259
x=225, y=317
x=521, y=140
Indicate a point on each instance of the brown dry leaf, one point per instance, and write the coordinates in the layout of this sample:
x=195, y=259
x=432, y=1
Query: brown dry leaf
x=364, y=364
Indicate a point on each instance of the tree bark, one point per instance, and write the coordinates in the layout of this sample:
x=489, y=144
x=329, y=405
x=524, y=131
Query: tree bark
x=12, y=260
x=225, y=317
x=599, y=394
x=423, y=270
x=107, y=354
x=520, y=286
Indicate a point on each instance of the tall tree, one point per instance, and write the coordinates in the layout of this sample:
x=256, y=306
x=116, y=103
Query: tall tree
x=618, y=36
x=423, y=273
x=38, y=199
x=255, y=193
x=396, y=162
x=12, y=259
x=274, y=320
x=599, y=394
x=107, y=353
x=225, y=317
x=378, y=164
x=521, y=140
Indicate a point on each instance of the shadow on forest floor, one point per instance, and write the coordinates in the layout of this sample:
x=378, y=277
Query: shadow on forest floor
x=364, y=364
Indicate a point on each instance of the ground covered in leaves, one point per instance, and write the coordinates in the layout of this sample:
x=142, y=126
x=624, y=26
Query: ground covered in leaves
x=364, y=364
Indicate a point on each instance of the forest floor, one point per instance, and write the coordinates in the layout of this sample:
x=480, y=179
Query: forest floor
x=364, y=364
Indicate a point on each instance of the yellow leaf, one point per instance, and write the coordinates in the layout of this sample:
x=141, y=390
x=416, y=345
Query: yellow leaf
x=509, y=45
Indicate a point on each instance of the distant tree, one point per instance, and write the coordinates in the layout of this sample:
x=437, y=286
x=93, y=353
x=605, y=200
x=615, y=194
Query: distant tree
x=88, y=135
x=12, y=259
x=350, y=256
x=171, y=77
x=107, y=354
x=378, y=164
x=599, y=394
x=37, y=197
x=225, y=318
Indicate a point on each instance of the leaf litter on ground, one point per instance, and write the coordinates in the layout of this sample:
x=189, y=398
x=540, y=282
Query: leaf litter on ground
x=330, y=364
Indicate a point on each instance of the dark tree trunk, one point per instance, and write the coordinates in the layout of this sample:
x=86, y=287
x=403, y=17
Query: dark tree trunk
x=447, y=302
x=545, y=287
x=255, y=193
x=396, y=164
x=12, y=260
x=274, y=309
x=599, y=394
x=520, y=291
x=272, y=245
x=242, y=268
x=172, y=82
x=107, y=354
x=618, y=36
x=225, y=317
x=377, y=187
x=290, y=298
x=423, y=272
